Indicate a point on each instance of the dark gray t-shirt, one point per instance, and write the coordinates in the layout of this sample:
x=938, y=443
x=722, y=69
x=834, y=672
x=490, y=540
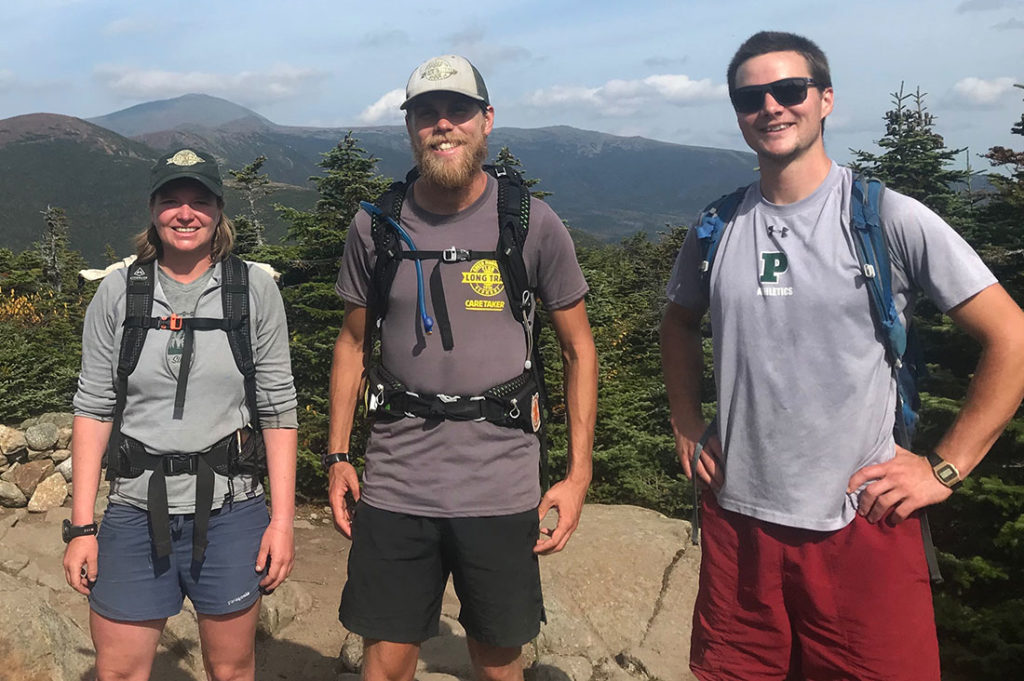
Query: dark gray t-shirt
x=805, y=395
x=452, y=468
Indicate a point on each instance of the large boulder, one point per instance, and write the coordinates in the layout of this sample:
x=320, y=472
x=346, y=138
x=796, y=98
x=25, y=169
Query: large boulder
x=28, y=475
x=50, y=493
x=12, y=441
x=11, y=496
x=621, y=593
x=42, y=436
x=38, y=642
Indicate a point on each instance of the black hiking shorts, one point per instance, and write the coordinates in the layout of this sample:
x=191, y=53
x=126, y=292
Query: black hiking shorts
x=399, y=565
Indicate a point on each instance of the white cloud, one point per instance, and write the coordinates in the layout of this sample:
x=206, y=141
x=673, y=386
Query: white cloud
x=628, y=97
x=127, y=25
x=980, y=5
x=1012, y=24
x=246, y=87
x=385, y=110
x=979, y=92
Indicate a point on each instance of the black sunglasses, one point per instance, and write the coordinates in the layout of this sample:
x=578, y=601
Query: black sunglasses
x=787, y=92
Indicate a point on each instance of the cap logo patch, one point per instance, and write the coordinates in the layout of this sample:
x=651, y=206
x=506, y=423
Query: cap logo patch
x=185, y=157
x=437, y=69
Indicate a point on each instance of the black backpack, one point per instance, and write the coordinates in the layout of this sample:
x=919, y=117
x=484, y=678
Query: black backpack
x=517, y=403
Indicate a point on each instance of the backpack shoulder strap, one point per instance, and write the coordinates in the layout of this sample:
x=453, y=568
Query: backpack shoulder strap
x=385, y=244
x=234, y=294
x=138, y=310
x=712, y=222
x=872, y=247
x=513, y=226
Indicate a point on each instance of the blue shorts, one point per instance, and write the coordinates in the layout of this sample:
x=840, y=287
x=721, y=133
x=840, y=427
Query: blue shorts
x=133, y=585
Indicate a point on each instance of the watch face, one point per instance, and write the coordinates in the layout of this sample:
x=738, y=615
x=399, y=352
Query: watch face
x=947, y=474
x=65, y=530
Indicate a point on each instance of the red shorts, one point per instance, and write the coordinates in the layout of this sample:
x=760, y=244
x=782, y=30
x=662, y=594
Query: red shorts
x=785, y=603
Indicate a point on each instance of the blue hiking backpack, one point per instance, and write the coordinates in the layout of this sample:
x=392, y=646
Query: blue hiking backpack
x=903, y=351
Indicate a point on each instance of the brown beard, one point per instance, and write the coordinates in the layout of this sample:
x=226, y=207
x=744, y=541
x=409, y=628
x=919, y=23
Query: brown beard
x=454, y=173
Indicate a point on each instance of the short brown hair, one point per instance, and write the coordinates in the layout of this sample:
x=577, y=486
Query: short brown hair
x=777, y=41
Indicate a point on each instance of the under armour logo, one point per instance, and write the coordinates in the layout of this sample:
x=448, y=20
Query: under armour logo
x=783, y=231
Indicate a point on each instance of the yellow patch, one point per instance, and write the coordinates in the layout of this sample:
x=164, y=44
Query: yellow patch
x=484, y=278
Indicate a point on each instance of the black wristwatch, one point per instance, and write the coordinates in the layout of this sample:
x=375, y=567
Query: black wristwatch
x=69, y=531
x=945, y=472
x=328, y=460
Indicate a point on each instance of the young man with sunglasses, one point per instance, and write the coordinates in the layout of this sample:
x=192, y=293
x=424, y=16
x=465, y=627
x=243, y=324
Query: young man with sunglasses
x=812, y=555
x=445, y=493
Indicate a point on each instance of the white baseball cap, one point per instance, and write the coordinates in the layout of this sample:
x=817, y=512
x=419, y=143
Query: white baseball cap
x=447, y=73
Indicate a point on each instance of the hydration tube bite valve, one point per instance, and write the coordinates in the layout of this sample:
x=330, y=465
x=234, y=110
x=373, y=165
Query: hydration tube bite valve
x=373, y=210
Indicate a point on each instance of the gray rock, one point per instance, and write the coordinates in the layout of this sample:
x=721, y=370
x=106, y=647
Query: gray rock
x=447, y=653
x=12, y=441
x=58, y=455
x=351, y=656
x=64, y=468
x=560, y=668
x=180, y=638
x=63, y=437
x=37, y=454
x=57, y=418
x=42, y=436
x=29, y=422
x=279, y=609
x=13, y=563
x=50, y=493
x=27, y=475
x=37, y=641
x=11, y=496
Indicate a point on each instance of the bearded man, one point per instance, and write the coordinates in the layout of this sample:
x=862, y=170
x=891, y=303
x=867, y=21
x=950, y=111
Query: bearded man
x=451, y=483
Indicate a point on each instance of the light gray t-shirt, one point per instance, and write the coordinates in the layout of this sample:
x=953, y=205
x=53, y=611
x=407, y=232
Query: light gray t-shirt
x=215, y=403
x=453, y=468
x=805, y=394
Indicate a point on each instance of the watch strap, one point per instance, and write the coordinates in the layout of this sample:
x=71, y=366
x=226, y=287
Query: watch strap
x=69, y=531
x=328, y=460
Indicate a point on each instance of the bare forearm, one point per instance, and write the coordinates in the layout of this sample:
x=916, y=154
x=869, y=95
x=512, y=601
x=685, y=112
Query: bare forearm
x=682, y=362
x=346, y=379
x=580, y=362
x=89, y=439
x=282, y=444
x=996, y=389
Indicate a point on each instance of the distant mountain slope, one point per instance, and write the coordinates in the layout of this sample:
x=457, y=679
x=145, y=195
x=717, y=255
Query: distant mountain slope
x=604, y=185
x=98, y=177
x=168, y=114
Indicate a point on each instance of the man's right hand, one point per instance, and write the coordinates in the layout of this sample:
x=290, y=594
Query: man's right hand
x=344, y=480
x=710, y=466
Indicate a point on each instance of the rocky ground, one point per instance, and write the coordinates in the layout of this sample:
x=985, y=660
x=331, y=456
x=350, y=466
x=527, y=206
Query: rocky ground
x=618, y=601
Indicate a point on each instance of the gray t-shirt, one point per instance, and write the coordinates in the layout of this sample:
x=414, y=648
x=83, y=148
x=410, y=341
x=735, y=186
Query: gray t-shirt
x=452, y=468
x=805, y=395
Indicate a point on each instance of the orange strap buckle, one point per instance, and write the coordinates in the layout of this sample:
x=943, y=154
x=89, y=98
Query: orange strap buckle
x=173, y=322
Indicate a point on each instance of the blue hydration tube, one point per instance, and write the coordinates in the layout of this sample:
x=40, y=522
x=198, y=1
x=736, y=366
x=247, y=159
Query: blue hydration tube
x=428, y=322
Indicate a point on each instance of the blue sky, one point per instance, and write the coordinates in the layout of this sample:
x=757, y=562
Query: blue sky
x=655, y=69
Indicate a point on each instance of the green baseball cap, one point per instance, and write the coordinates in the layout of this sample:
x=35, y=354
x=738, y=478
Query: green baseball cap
x=186, y=163
x=448, y=73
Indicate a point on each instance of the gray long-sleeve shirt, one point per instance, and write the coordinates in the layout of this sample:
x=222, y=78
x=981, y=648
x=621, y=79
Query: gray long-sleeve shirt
x=215, y=401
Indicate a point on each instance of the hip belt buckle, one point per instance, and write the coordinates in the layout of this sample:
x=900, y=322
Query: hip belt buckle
x=180, y=464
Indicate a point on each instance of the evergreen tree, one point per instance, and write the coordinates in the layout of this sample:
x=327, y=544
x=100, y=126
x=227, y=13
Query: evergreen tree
x=916, y=160
x=255, y=185
x=315, y=313
x=505, y=157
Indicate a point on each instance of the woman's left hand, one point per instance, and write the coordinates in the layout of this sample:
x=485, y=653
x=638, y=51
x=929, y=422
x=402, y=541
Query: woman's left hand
x=277, y=555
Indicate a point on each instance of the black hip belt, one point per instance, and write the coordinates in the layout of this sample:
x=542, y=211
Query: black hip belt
x=512, y=404
x=234, y=454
